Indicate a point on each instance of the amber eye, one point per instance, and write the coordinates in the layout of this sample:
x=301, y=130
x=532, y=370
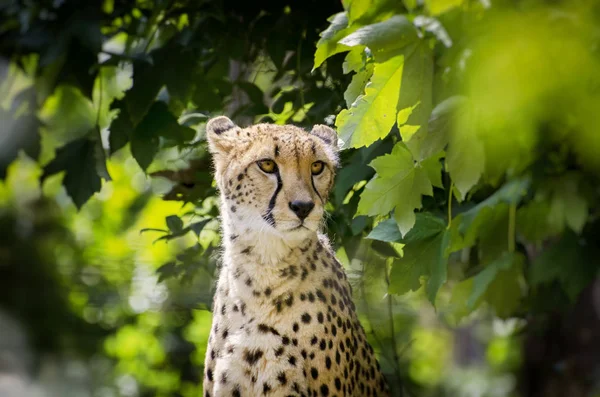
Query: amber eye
x=317, y=167
x=267, y=166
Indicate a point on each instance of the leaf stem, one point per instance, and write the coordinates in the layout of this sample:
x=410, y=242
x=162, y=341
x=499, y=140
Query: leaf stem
x=450, y=204
x=392, y=330
x=100, y=89
x=512, y=214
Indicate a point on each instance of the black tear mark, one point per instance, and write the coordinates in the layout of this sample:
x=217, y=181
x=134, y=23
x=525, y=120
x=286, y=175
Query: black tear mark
x=268, y=216
x=312, y=181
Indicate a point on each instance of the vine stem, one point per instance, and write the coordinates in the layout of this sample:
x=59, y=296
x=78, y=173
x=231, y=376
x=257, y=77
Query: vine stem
x=512, y=215
x=450, y=204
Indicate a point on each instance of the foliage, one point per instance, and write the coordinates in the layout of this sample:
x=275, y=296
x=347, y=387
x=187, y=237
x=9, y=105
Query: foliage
x=468, y=179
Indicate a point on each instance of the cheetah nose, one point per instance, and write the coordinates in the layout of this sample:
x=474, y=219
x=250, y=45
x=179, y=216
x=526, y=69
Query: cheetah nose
x=302, y=208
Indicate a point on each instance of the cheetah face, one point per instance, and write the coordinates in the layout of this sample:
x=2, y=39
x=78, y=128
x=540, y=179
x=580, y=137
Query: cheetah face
x=273, y=178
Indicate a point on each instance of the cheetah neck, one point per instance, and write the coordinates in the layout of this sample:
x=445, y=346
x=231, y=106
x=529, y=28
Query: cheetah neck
x=261, y=247
x=259, y=268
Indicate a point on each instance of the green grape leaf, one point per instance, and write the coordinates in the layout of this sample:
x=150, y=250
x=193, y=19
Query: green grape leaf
x=372, y=115
x=427, y=257
x=357, y=85
x=328, y=43
x=393, y=33
x=398, y=185
x=78, y=159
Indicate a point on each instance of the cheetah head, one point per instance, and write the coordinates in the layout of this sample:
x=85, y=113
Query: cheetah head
x=273, y=178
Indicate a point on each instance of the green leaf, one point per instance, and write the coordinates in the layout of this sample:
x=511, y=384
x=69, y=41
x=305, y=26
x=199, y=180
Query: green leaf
x=372, y=116
x=398, y=185
x=498, y=284
x=433, y=168
x=393, y=33
x=67, y=114
x=158, y=122
x=465, y=158
x=384, y=249
x=482, y=281
x=437, y=7
x=174, y=223
x=168, y=270
x=426, y=257
x=100, y=158
x=426, y=225
x=121, y=128
x=432, y=140
x=357, y=85
x=147, y=82
x=357, y=169
x=364, y=12
x=197, y=227
x=438, y=267
x=111, y=84
x=510, y=193
x=571, y=261
x=386, y=230
x=416, y=95
x=355, y=60
x=505, y=293
x=328, y=43
x=532, y=221
x=567, y=205
x=20, y=133
x=78, y=160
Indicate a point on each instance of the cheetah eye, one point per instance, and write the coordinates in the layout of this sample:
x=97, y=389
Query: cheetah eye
x=317, y=167
x=267, y=166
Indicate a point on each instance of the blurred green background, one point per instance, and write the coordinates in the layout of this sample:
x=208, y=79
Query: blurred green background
x=466, y=210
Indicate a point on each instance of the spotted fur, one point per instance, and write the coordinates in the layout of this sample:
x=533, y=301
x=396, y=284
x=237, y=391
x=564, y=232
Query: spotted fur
x=284, y=323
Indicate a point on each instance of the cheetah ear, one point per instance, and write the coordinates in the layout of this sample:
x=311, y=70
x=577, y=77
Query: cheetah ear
x=221, y=134
x=327, y=134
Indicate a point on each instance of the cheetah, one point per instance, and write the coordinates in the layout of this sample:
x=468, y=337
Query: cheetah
x=284, y=323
